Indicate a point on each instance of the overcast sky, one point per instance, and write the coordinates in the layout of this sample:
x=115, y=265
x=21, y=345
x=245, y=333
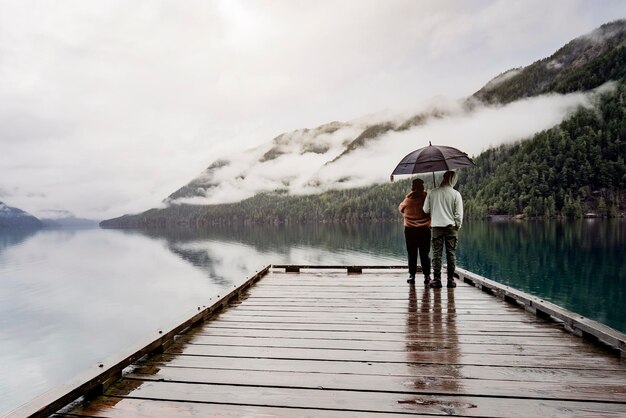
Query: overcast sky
x=106, y=107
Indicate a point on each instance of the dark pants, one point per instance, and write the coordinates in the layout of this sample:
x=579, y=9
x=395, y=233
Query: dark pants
x=418, y=239
x=447, y=236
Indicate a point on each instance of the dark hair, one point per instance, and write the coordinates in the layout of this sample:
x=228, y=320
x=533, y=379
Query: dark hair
x=417, y=185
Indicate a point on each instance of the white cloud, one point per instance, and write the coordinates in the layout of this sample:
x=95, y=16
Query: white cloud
x=109, y=106
x=471, y=131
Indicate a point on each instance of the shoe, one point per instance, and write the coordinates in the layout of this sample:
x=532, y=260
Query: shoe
x=426, y=280
x=451, y=283
x=411, y=280
x=435, y=284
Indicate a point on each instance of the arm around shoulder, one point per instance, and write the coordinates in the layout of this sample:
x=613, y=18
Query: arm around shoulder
x=426, y=207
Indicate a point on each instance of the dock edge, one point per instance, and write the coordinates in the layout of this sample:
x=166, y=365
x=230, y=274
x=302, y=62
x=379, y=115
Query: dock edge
x=573, y=322
x=95, y=380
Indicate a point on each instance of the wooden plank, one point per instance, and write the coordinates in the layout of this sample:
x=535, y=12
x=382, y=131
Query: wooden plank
x=545, y=329
x=472, y=338
x=328, y=343
x=356, y=300
x=449, y=355
x=481, y=370
x=115, y=407
x=251, y=304
x=294, y=310
x=390, y=315
x=520, y=348
x=372, y=319
x=338, y=267
x=97, y=378
x=374, y=306
x=576, y=323
x=436, y=332
x=431, y=385
x=361, y=401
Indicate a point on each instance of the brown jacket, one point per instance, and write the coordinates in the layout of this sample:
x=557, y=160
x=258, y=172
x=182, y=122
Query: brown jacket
x=412, y=209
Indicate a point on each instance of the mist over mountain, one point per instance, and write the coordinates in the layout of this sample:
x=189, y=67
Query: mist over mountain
x=16, y=218
x=65, y=219
x=337, y=156
x=510, y=107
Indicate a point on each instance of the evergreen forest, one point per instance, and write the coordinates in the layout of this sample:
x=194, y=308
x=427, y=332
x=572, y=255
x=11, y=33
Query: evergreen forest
x=573, y=169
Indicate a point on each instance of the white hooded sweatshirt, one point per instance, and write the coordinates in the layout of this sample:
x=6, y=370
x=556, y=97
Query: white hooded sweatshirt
x=445, y=206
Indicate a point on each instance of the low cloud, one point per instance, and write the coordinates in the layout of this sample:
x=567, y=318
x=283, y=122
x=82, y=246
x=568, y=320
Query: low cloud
x=292, y=171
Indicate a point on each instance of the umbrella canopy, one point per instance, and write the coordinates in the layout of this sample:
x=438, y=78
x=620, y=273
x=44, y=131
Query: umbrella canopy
x=432, y=158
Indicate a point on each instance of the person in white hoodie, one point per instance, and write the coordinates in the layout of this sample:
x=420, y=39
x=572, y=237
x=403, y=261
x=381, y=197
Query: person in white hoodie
x=445, y=206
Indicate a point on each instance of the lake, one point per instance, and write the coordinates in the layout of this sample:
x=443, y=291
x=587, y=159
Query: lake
x=71, y=298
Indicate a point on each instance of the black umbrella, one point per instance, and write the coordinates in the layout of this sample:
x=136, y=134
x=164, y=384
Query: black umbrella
x=432, y=158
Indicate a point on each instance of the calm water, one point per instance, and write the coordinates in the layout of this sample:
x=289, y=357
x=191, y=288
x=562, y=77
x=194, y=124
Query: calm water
x=71, y=298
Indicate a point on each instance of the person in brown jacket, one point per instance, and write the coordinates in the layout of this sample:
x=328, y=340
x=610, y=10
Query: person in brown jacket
x=416, y=230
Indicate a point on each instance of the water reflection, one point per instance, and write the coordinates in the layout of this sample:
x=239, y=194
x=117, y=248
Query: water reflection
x=70, y=298
x=578, y=264
x=11, y=237
x=376, y=240
x=431, y=334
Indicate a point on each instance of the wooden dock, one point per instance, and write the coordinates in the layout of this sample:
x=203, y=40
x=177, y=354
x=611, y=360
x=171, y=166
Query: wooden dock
x=324, y=343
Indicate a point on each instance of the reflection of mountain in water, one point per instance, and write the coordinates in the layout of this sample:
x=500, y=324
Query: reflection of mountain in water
x=320, y=244
x=11, y=237
x=379, y=238
x=202, y=259
x=578, y=265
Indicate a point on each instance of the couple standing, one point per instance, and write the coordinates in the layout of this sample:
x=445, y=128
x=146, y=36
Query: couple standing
x=440, y=210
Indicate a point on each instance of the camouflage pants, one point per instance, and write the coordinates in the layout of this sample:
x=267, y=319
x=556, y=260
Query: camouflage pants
x=447, y=236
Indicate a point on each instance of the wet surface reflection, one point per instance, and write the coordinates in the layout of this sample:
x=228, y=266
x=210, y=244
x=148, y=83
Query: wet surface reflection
x=69, y=298
x=431, y=338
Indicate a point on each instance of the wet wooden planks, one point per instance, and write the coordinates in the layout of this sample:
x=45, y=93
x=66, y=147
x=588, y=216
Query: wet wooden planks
x=326, y=343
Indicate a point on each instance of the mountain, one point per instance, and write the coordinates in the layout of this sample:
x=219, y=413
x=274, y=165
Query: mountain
x=54, y=218
x=309, y=161
x=304, y=161
x=584, y=63
x=17, y=218
x=573, y=169
x=569, y=170
x=326, y=173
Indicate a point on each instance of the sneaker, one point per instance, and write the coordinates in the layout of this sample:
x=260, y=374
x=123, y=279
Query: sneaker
x=426, y=280
x=435, y=284
x=411, y=280
x=451, y=283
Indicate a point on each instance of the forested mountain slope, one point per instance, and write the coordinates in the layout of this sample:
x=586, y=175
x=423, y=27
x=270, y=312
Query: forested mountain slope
x=583, y=64
x=16, y=218
x=568, y=170
x=571, y=169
